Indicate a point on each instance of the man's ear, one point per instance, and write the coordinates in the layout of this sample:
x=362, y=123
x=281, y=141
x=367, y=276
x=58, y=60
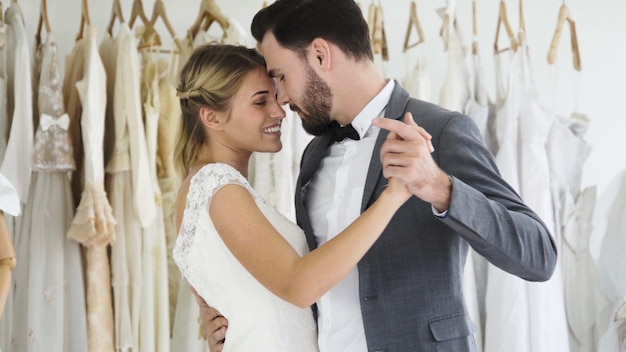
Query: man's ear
x=211, y=119
x=320, y=53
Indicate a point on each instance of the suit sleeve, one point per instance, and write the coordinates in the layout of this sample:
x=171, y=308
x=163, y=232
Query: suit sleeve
x=486, y=211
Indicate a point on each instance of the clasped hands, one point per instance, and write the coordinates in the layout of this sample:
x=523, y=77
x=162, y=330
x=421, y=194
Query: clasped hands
x=406, y=156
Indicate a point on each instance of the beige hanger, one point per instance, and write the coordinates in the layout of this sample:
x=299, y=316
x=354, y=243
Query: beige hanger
x=377, y=39
x=371, y=19
x=85, y=20
x=413, y=22
x=2, y=33
x=474, y=30
x=150, y=36
x=116, y=13
x=502, y=18
x=43, y=22
x=522, y=24
x=158, y=11
x=385, y=47
x=209, y=12
x=564, y=15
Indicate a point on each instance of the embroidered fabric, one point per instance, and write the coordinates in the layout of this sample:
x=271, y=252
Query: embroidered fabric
x=256, y=316
x=53, y=147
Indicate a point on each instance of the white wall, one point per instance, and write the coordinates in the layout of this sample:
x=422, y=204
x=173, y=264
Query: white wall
x=601, y=34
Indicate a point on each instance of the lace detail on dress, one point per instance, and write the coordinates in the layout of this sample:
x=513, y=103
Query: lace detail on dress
x=93, y=223
x=53, y=147
x=204, y=184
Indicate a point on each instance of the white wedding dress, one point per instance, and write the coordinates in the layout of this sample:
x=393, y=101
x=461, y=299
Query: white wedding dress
x=257, y=319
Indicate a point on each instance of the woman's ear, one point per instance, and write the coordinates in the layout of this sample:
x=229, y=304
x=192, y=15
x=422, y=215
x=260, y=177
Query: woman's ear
x=210, y=119
x=320, y=53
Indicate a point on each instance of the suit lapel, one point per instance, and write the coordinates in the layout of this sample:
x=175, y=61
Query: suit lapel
x=395, y=110
x=310, y=163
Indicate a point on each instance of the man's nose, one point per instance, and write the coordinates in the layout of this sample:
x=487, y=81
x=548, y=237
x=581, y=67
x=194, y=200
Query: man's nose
x=281, y=97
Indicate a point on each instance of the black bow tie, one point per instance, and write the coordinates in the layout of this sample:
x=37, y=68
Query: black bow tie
x=340, y=133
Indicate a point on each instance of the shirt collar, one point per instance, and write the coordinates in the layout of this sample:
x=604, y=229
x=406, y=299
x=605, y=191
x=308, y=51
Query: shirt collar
x=363, y=120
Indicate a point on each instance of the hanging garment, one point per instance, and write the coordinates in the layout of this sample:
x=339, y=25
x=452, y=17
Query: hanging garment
x=154, y=324
x=609, y=246
x=506, y=296
x=50, y=298
x=169, y=181
x=548, y=321
x=455, y=90
x=93, y=225
x=130, y=189
x=4, y=122
x=454, y=95
x=573, y=210
x=537, y=309
x=417, y=81
x=17, y=163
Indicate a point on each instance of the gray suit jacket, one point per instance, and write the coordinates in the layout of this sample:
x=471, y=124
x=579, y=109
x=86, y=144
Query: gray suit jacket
x=410, y=281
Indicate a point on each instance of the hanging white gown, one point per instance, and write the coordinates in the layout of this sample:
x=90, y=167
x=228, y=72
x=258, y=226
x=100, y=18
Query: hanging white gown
x=154, y=325
x=548, y=321
x=455, y=91
x=50, y=299
x=609, y=246
x=130, y=191
x=4, y=123
x=17, y=162
x=574, y=209
x=94, y=224
x=506, y=297
x=417, y=81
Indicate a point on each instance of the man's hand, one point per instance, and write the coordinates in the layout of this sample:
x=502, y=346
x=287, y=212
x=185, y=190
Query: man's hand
x=406, y=155
x=213, y=323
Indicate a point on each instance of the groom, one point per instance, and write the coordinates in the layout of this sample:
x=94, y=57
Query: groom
x=406, y=293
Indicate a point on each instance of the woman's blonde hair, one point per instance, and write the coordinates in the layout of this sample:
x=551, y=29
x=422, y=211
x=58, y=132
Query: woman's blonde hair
x=210, y=78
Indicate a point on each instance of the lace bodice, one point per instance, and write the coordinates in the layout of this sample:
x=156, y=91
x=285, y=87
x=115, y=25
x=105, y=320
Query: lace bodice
x=53, y=147
x=258, y=320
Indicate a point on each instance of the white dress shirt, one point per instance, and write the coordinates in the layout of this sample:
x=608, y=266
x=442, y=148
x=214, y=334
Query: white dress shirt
x=333, y=203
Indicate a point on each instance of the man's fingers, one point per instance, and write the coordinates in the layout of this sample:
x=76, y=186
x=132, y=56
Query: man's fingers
x=400, y=128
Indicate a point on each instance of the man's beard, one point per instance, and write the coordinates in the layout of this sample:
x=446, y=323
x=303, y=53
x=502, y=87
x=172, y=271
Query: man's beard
x=316, y=104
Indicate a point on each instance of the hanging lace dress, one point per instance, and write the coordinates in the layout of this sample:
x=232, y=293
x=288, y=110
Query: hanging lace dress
x=84, y=90
x=50, y=282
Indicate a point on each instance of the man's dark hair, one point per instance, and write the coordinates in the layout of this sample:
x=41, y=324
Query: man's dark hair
x=295, y=23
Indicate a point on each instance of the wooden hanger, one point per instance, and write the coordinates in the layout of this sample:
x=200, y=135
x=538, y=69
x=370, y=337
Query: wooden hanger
x=502, y=18
x=474, y=30
x=522, y=24
x=371, y=19
x=413, y=22
x=378, y=31
x=116, y=13
x=85, y=20
x=43, y=22
x=158, y=11
x=564, y=15
x=209, y=12
x=150, y=36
